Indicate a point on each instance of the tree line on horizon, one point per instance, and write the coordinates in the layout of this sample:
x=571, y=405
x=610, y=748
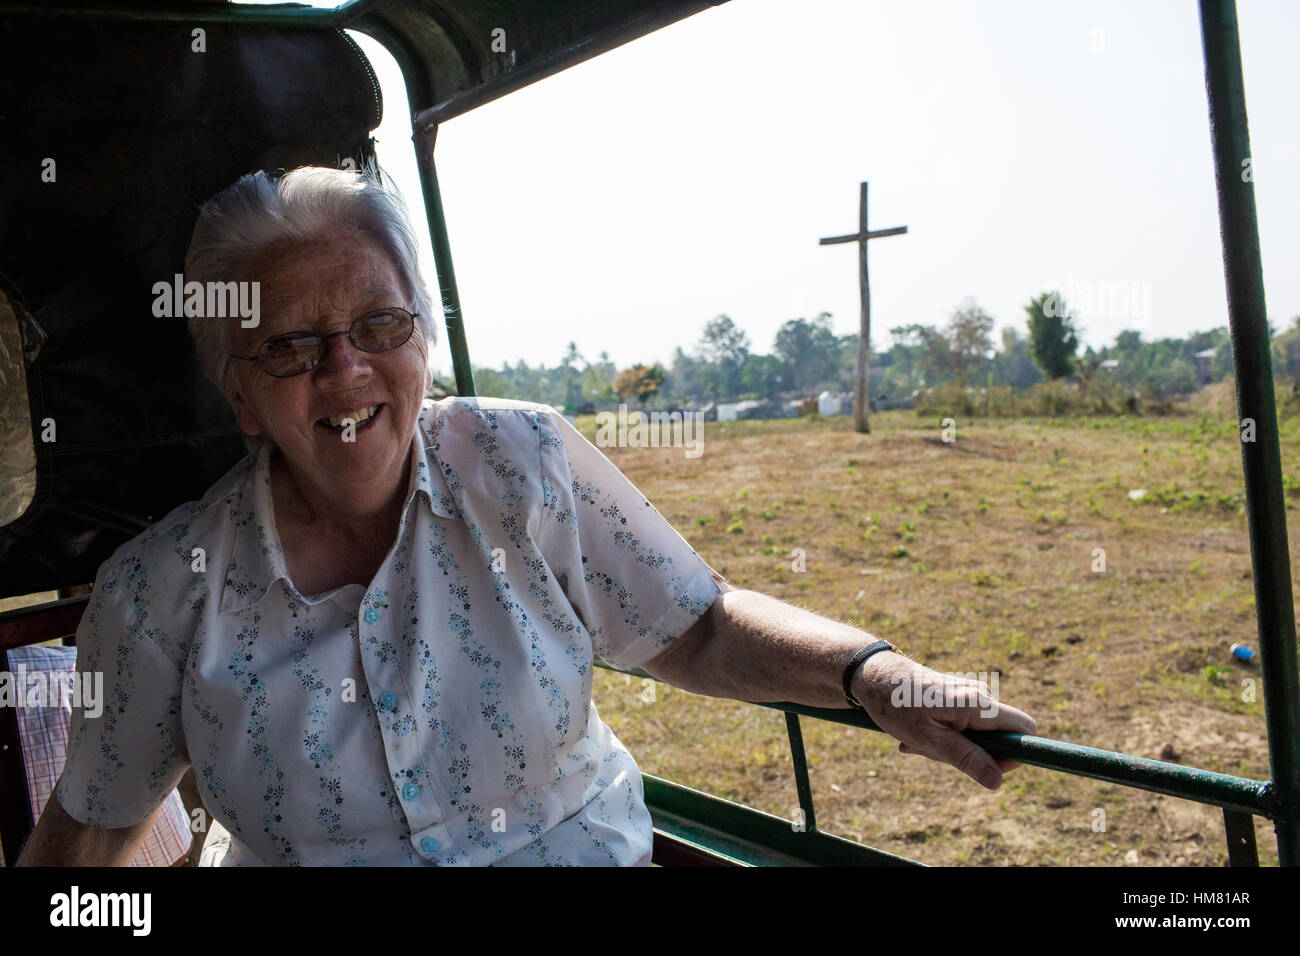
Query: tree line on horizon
x=807, y=357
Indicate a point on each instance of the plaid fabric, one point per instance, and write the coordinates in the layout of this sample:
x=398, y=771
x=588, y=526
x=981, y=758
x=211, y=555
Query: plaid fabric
x=43, y=736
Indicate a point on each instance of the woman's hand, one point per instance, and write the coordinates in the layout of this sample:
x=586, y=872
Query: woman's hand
x=927, y=711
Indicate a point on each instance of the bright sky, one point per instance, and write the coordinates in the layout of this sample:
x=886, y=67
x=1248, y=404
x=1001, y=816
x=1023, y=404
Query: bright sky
x=1027, y=145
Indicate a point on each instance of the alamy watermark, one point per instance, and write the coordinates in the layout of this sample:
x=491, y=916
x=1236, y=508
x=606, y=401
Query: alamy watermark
x=75, y=908
x=179, y=299
x=963, y=690
x=37, y=688
x=651, y=430
x=1090, y=300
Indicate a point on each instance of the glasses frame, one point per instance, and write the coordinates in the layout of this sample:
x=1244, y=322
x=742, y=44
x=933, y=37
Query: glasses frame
x=322, y=339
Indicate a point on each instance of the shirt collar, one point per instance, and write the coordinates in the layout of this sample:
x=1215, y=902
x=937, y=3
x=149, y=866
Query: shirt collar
x=257, y=559
x=427, y=479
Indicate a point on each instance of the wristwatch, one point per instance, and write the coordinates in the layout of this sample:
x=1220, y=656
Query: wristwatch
x=855, y=662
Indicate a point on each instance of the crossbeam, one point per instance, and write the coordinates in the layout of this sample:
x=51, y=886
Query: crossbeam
x=857, y=236
x=861, y=392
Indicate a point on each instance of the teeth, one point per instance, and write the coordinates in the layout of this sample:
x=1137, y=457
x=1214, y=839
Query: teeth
x=357, y=417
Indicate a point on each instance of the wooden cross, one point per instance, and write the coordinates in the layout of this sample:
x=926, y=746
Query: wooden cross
x=861, y=400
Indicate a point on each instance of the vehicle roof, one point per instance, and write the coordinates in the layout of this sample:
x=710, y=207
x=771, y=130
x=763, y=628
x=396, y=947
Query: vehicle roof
x=465, y=62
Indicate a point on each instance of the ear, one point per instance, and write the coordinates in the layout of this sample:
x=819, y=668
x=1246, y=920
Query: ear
x=244, y=415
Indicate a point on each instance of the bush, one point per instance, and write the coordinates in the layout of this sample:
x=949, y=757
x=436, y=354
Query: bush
x=1003, y=402
x=1054, y=399
x=949, y=401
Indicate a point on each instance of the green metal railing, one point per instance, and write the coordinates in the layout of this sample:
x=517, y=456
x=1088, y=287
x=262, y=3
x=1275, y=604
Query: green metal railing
x=736, y=834
x=1240, y=798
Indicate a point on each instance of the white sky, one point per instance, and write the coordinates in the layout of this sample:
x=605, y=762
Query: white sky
x=1027, y=145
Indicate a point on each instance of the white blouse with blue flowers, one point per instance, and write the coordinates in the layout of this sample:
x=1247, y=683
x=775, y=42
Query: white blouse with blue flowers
x=442, y=715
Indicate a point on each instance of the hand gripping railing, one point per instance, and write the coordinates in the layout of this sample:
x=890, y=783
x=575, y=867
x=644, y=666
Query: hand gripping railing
x=1239, y=797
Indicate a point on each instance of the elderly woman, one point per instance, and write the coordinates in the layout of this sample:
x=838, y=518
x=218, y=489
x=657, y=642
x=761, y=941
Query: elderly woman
x=373, y=638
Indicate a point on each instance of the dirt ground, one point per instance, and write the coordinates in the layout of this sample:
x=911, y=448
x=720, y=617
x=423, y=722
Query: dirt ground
x=981, y=554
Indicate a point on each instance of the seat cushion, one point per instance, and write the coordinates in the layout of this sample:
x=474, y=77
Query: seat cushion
x=43, y=735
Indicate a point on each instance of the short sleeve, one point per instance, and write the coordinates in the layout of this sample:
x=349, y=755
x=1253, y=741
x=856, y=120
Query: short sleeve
x=631, y=577
x=126, y=748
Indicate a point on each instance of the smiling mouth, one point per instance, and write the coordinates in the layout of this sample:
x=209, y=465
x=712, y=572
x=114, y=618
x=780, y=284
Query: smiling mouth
x=359, y=418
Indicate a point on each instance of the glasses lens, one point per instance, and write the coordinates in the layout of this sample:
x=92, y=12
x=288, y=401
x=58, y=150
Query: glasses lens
x=382, y=331
x=290, y=354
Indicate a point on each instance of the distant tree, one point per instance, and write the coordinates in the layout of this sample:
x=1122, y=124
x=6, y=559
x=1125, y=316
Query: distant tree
x=846, y=369
x=810, y=350
x=1086, y=365
x=1286, y=353
x=726, y=347
x=902, y=374
x=598, y=381
x=684, y=383
x=764, y=376
x=1177, y=377
x=711, y=384
x=921, y=350
x=1053, y=339
x=639, y=381
x=571, y=377
x=968, y=337
x=492, y=383
x=1130, y=340
x=1014, y=365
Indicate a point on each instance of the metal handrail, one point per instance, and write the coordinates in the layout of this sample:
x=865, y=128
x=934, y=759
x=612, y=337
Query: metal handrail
x=1236, y=795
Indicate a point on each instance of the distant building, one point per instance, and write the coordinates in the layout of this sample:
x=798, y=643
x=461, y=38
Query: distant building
x=835, y=403
x=730, y=411
x=1204, y=366
x=751, y=409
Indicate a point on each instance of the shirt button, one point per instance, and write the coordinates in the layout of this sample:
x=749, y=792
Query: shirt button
x=411, y=791
x=388, y=700
x=372, y=615
x=428, y=844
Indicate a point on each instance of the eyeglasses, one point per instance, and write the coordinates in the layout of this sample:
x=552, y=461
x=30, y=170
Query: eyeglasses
x=296, y=352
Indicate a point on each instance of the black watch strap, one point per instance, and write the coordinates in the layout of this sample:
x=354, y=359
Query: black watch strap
x=855, y=662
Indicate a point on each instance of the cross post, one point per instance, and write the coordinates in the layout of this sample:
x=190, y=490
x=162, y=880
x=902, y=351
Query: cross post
x=861, y=395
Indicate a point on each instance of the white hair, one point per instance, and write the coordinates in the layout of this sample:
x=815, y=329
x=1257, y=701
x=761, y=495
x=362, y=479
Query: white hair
x=240, y=223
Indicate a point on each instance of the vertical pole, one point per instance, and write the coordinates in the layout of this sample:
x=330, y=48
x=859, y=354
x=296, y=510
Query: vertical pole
x=454, y=320
x=1261, y=460
x=1240, y=830
x=801, y=782
x=861, y=395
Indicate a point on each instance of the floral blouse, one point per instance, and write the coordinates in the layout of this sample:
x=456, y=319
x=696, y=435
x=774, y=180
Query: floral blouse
x=443, y=714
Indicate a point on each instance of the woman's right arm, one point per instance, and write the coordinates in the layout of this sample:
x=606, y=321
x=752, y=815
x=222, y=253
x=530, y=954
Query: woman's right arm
x=60, y=840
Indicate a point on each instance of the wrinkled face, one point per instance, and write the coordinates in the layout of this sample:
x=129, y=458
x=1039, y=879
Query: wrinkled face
x=322, y=286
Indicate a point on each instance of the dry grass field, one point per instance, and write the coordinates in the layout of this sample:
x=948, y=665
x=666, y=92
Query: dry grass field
x=978, y=555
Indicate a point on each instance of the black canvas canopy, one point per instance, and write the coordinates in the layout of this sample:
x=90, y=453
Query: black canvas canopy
x=115, y=128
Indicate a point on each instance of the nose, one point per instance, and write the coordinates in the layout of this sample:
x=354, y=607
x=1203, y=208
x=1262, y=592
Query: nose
x=341, y=356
